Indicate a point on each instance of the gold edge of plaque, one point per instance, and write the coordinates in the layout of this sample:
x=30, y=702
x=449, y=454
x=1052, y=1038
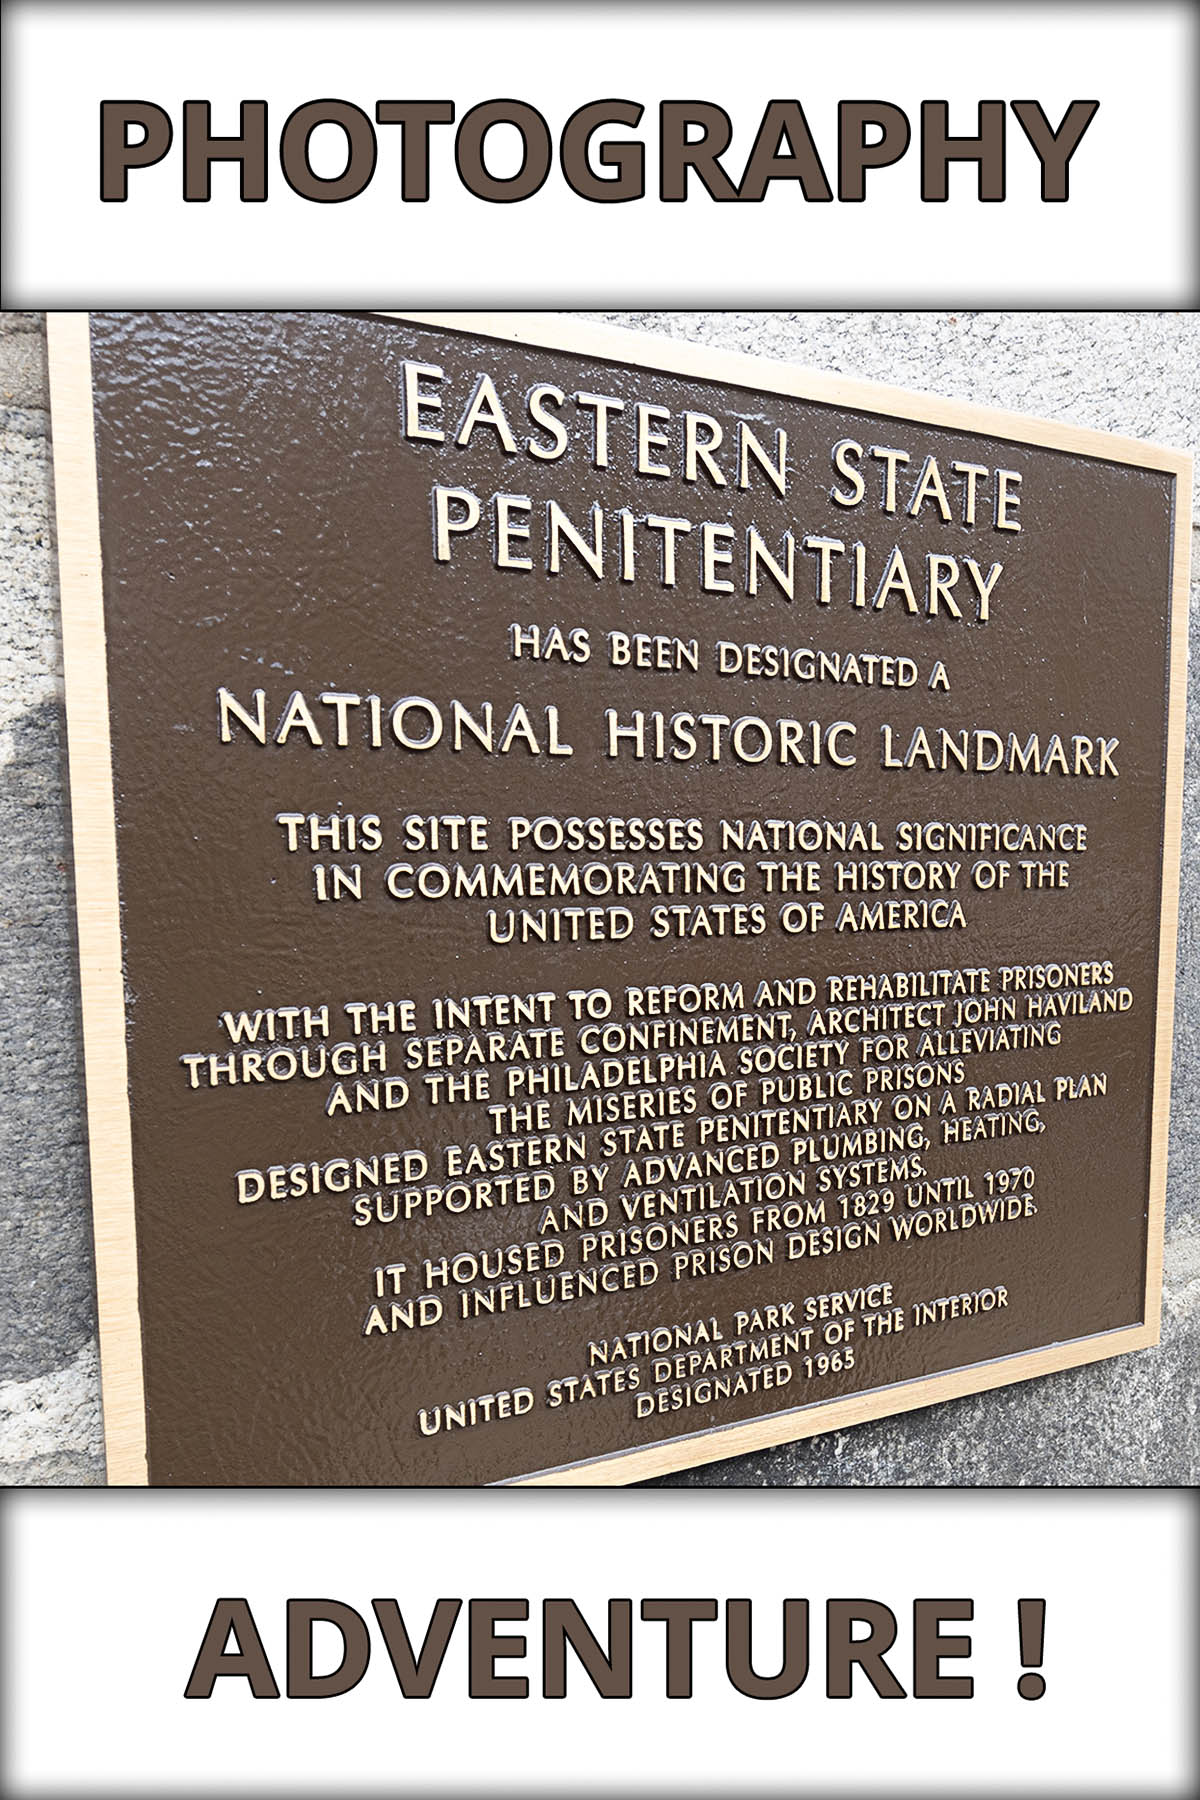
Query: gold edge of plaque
x=674, y=356
x=692, y=1451
x=1172, y=852
x=93, y=830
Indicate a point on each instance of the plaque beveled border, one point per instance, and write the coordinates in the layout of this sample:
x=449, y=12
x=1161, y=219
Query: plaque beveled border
x=93, y=830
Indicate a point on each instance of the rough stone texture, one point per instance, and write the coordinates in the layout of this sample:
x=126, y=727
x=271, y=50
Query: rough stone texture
x=1131, y=1420
x=39, y=1417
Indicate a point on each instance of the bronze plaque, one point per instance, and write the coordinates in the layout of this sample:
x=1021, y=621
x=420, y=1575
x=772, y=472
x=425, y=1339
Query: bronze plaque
x=627, y=894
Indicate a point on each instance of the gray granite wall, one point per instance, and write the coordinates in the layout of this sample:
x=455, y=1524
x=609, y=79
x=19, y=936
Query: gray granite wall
x=1130, y=1420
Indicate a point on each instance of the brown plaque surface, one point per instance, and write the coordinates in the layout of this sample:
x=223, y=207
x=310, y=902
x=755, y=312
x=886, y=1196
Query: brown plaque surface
x=627, y=895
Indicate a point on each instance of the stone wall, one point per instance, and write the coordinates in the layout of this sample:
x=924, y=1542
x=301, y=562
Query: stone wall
x=1130, y=1420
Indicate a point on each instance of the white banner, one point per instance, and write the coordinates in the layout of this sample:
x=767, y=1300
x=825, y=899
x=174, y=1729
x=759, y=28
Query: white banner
x=113, y=1611
x=825, y=149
